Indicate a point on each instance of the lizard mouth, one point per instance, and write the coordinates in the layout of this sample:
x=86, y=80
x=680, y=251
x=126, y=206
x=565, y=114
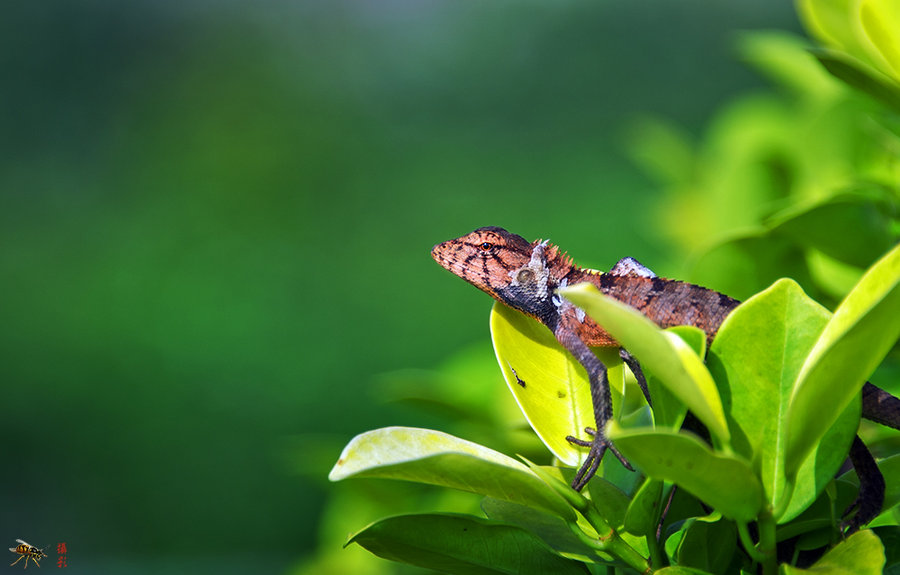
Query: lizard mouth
x=440, y=255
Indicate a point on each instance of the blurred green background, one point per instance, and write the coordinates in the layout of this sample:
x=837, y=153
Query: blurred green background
x=215, y=224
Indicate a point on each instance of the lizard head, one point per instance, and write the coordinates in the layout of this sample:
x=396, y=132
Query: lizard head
x=485, y=258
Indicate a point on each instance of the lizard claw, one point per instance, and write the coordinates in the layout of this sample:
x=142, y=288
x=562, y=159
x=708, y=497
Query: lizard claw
x=598, y=446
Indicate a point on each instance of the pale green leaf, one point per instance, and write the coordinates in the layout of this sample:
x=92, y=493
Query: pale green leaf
x=663, y=353
x=427, y=456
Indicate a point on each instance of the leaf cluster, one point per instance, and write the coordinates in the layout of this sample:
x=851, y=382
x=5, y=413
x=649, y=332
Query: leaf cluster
x=800, y=184
x=780, y=399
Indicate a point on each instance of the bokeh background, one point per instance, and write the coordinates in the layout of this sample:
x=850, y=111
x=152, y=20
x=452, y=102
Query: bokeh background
x=215, y=224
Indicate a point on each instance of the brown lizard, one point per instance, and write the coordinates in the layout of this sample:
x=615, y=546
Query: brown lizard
x=525, y=275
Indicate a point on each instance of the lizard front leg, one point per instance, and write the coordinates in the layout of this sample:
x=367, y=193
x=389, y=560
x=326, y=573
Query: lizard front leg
x=602, y=405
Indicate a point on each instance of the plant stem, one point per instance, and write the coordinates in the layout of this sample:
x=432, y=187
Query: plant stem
x=748, y=543
x=610, y=541
x=766, y=524
x=656, y=558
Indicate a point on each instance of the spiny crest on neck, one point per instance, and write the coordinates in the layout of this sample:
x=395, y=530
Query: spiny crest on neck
x=558, y=261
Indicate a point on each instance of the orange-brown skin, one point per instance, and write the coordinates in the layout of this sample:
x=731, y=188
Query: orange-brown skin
x=525, y=275
x=666, y=302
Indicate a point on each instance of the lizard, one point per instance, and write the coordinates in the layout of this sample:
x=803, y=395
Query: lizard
x=525, y=275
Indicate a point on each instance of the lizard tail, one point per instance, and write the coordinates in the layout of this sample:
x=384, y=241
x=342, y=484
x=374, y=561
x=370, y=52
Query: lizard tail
x=880, y=406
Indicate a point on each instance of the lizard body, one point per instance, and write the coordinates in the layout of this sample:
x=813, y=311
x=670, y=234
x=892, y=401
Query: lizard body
x=525, y=275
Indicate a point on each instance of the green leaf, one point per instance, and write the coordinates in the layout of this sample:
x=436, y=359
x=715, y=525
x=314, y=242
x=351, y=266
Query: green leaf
x=785, y=58
x=427, y=456
x=703, y=543
x=859, y=76
x=643, y=512
x=725, y=482
x=610, y=501
x=551, y=529
x=551, y=388
x=668, y=410
x=841, y=24
x=663, y=353
x=661, y=150
x=860, y=554
x=854, y=228
x=824, y=513
x=890, y=470
x=681, y=571
x=890, y=538
x=755, y=359
x=743, y=265
x=831, y=22
x=879, y=21
x=860, y=333
x=464, y=545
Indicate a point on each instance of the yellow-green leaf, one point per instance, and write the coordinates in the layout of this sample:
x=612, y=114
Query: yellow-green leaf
x=860, y=554
x=551, y=388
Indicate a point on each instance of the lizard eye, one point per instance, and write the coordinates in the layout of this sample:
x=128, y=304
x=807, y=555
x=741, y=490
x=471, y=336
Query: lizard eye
x=486, y=246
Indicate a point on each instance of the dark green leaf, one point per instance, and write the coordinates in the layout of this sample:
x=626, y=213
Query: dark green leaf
x=551, y=529
x=643, y=512
x=890, y=538
x=681, y=571
x=609, y=500
x=463, y=545
x=705, y=543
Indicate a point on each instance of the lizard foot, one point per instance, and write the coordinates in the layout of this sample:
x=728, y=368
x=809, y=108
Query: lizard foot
x=598, y=446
